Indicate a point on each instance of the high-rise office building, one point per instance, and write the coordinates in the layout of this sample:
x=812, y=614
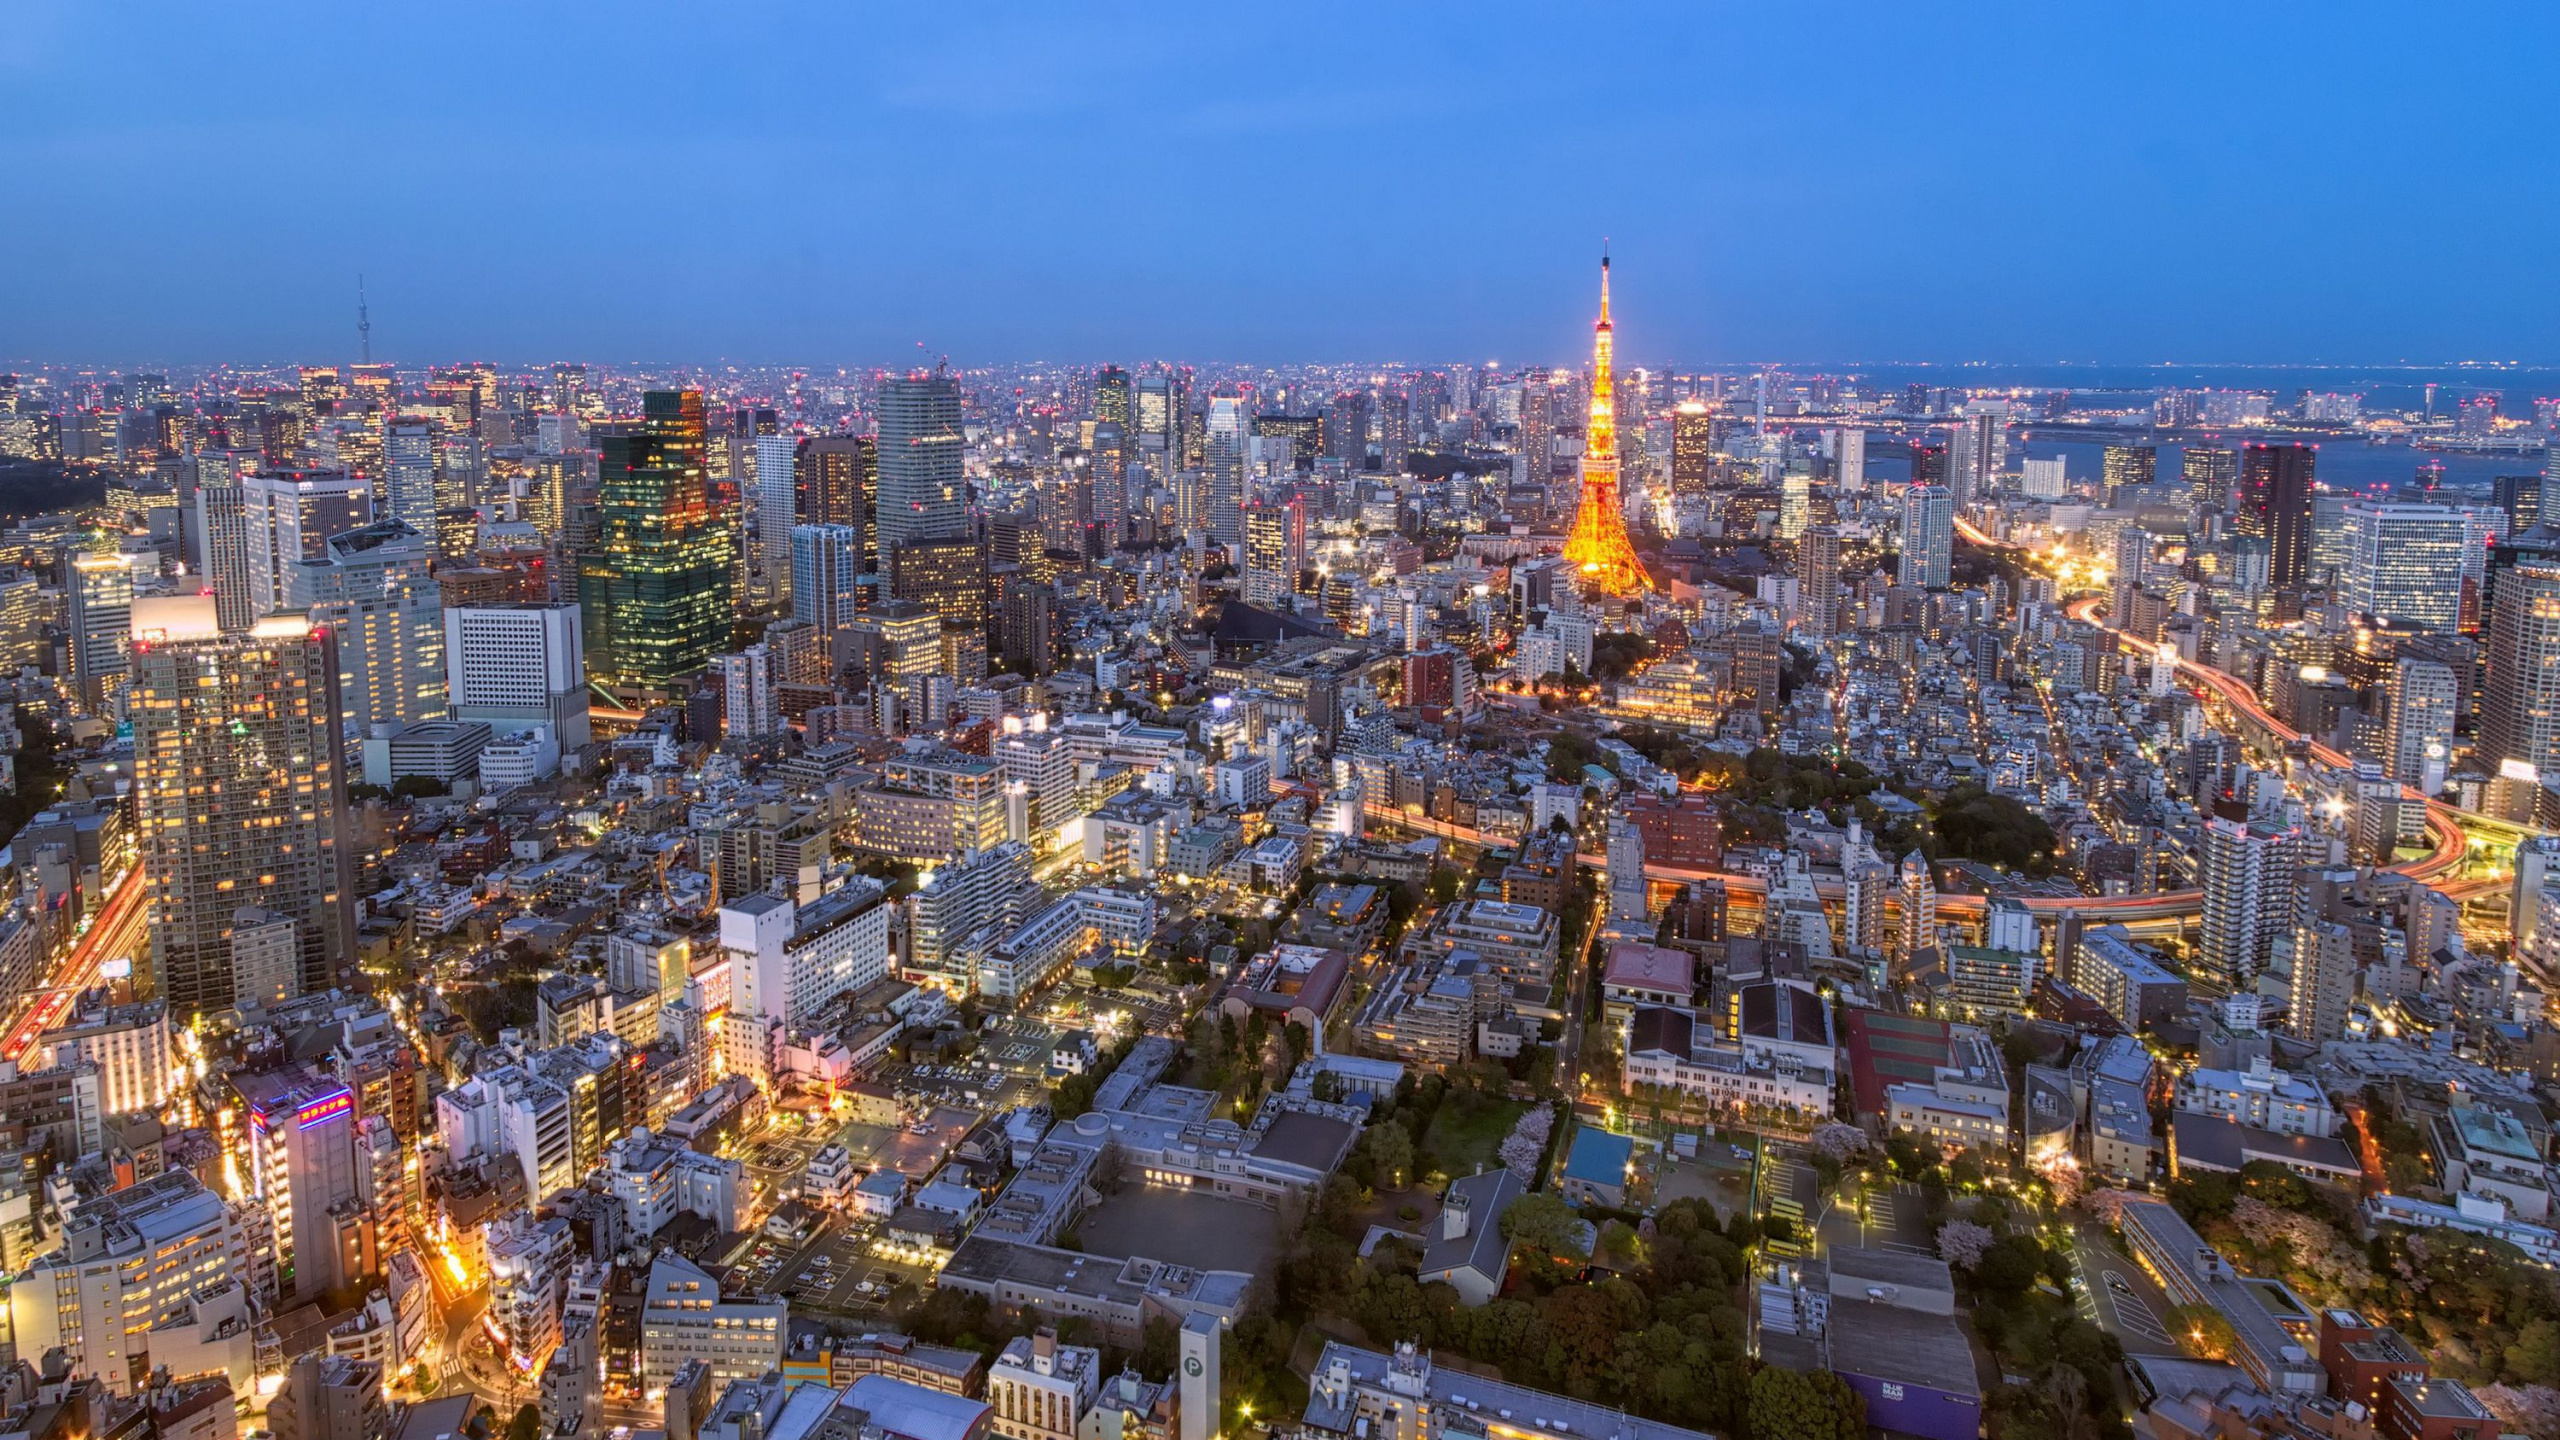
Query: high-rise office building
x=2209, y=472
x=2423, y=696
x=303, y=1171
x=1346, y=430
x=2275, y=506
x=655, y=594
x=826, y=564
x=2520, y=699
x=1693, y=447
x=2126, y=467
x=288, y=517
x=1977, y=455
x=777, y=510
x=946, y=574
x=922, y=492
x=409, y=480
x=519, y=667
x=2520, y=496
x=101, y=594
x=128, y=1261
x=1818, y=579
x=1928, y=537
x=2404, y=563
x=1228, y=421
x=239, y=794
x=1275, y=549
x=1112, y=397
x=371, y=591
x=1109, y=484
x=1849, y=458
x=838, y=483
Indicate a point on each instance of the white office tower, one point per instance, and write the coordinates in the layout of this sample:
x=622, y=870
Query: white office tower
x=2404, y=563
x=409, y=475
x=777, y=507
x=787, y=963
x=1226, y=457
x=2422, y=701
x=922, y=491
x=2248, y=899
x=1977, y=452
x=288, y=517
x=748, y=709
x=150, y=1277
x=826, y=561
x=1849, y=459
x=518, y=667
x=372, y=591
x=1866, y=880
x=101, y=594
x=1627, y=897
x=2537, y=863
x=1200, y=1378
x=2043, y=479
x=1928, y=537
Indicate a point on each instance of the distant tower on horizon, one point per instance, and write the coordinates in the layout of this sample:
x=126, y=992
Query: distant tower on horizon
x=1599, y=547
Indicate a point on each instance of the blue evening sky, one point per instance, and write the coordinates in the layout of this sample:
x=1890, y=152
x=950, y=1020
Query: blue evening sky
x=1280, y=182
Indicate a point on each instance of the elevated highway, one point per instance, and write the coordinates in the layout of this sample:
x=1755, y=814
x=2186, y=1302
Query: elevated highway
x=114, y=931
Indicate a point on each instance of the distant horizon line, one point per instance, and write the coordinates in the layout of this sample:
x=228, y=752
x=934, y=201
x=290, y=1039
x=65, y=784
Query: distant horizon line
x=1742, y=368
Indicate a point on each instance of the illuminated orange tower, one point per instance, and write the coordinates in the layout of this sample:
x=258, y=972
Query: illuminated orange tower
x=1599, y=548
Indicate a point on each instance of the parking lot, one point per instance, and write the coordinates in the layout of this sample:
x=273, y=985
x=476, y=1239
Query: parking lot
x=2123, y=1300
x=1891, y=1216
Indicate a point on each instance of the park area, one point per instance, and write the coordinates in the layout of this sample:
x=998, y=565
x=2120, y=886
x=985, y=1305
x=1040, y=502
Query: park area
x=1468, y=1130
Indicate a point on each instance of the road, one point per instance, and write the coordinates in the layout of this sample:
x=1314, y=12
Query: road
x=111, y=933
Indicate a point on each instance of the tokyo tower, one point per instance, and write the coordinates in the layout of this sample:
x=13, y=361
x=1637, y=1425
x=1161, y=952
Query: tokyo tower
x=1598, y=547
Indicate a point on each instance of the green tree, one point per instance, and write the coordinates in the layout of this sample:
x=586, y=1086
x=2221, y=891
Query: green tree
x=527, y=1424
x=1389, y=1151
x=1544, y=1225
x=2535, y=1353
x=1782, y=1404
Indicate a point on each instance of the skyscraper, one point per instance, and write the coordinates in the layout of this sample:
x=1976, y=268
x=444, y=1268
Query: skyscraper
x=1346, y=429
x=239, y=794
x=2209, y=472
x=101, y=628
x=518, y=667
x=1849, y=458
x=1693, y=447
x=1275, y=549
x=289, y=516
x=838, y=480
x=1598, y=548
x=1113, y=400
x=371, y=592
x=1977, y=453
x=2404, y=563
x=655, y=593
x=777, y=510
x=2248, y=874
x=2520, y=700
x=1228, y=425
x=1928, y=537
x=2520, y=496
x=825, y=562
x=2275, y=506
x=1818, y=576
x=921, y=493
x=409, y=475
x=2423, y=697
x=2126, y=467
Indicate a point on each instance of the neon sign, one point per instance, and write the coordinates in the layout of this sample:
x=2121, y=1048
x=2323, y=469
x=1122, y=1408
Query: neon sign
x=340, y=1101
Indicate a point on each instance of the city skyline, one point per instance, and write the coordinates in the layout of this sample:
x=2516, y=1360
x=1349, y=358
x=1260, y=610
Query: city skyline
x=1079, y=188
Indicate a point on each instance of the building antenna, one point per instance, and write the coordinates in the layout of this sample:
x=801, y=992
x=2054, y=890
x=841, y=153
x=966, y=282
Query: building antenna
x=364, y=320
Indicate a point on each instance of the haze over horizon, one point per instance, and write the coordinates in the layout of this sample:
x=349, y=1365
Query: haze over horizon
x=1849, y=184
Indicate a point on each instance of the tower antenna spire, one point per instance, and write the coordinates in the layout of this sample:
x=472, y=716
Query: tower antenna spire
x=364, y=320
x=1599, y=548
